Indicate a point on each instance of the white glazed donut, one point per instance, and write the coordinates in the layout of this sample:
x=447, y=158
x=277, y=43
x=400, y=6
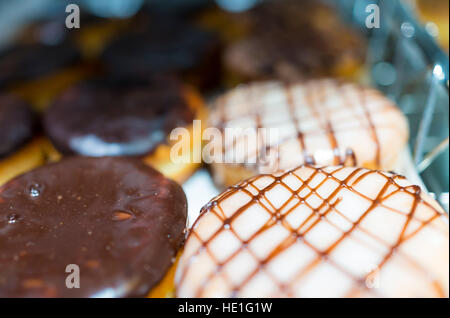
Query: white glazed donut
x=323, y=122
x=318, y=232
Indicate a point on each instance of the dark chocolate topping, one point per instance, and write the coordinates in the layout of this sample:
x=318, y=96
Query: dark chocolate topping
x=166, y=45
x=119, y=220
x=291, y=40
x=117, y=117
x=16, y=124
x=28, y=61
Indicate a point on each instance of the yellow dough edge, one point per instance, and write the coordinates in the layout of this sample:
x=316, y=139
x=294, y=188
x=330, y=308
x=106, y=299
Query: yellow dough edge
x=226, y=175
x=30, y=156
x=40, y=92
x=160, y=159
x=166, y=287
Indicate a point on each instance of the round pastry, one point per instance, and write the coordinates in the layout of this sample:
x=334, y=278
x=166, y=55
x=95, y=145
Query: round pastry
x=291, y=40
x=97, y=32
x=19, y=151
x=28, y=61
x=324, y=122
x=38, y=71
x=16, y=124
x=115, y=221
x=124, y=117
x=90, y=39
x=167, y=45
x=318, y=232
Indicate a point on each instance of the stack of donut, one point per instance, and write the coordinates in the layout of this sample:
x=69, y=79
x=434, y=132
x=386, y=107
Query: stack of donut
x=312, y=207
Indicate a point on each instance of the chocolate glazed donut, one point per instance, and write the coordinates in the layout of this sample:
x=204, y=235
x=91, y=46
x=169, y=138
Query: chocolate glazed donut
x=119, y=220
x=166, y=45
x=17, y=123
x=30, y=60
x=294, y=40
x=116, y=117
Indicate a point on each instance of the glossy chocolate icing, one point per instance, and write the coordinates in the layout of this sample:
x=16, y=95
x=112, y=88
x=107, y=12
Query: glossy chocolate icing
x=119, y=220
x=16, y=124
x=30, y=60
x=115, y=117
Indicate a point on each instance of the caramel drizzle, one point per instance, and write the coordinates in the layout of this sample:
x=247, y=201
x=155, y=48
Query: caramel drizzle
x=373, y=130
x=328, y=127
x=298, y=234
x=300, y=137
x=348, y=158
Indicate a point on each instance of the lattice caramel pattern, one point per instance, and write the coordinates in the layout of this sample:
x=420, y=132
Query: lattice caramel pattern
x=318, y=232
x=323, y=122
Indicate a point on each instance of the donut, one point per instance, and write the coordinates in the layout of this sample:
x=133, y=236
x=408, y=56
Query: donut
x=292, y=40
x=19, y=149
x=165, y=45
x=97, y=32
x=37, y=71
x=117, y=220
x=318, y=232
x=28, y=61
x=123, y=117
x=16, y=124
x=321, y=121
x=90, y=39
